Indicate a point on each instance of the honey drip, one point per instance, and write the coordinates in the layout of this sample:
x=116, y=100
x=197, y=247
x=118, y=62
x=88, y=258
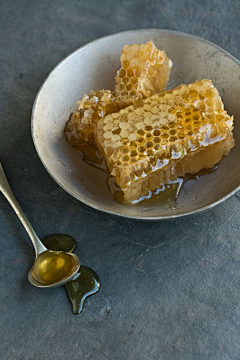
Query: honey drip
x=85, y=283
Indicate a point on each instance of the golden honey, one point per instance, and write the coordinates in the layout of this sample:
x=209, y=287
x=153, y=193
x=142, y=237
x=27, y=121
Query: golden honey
x=85, y=283
x=145, y=71
x=164, y=137
x=53, y=266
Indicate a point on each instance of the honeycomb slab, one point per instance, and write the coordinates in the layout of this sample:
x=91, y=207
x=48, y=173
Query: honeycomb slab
x=144, y=71
x=165, y=136
x=79, y=129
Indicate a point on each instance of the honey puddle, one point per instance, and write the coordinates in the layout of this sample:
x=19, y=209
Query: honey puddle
x=166, y=194
x=85, y=283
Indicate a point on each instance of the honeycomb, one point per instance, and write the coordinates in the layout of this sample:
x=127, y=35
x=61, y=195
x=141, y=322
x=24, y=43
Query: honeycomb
x=144, y=71
x=164, y=137
x=79, y=129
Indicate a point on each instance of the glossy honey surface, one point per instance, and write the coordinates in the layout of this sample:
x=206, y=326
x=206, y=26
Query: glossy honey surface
x=53, y=266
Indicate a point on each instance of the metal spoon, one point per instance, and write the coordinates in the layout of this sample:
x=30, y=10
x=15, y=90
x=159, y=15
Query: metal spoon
x=38, y=246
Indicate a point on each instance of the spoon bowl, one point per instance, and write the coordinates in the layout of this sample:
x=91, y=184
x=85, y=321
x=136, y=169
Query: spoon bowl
x=58, y=283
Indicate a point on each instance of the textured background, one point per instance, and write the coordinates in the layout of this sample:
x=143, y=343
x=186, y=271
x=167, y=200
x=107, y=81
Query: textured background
x=170, y=290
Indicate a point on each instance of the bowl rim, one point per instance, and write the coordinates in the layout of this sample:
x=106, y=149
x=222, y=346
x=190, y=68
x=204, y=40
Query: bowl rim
x=82, y=198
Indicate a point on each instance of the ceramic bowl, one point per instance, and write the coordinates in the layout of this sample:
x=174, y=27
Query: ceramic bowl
x=94, y=66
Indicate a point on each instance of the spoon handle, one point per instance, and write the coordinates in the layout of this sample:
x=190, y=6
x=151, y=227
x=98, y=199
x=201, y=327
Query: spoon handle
x=7, y=192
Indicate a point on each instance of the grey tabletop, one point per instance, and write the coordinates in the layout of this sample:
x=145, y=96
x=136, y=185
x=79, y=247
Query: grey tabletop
x=170, y=290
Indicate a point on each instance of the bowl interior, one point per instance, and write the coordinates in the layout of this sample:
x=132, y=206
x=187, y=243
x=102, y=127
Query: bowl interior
x=94, y=67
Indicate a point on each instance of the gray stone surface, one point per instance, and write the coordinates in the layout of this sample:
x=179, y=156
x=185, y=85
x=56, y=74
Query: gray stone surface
x=170, y=290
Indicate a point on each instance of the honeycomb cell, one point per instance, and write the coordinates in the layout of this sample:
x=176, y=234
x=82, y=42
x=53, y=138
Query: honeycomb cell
x=122, y=87
x=130, y=73
x=164, y=128
x=116, y=132
x=134, y=80
x=125, y=158
x=196, y=117
x=141, y=132
x=193, y=93
x=209, y=94
x=148, y=136
x=148, y=144
x=133, y=144
x=156, y=140
x=140, y=140
x=156, y=133
x=196, y=122
x=124, y=150
x=150, y=152
x=172, y=132
x=147, y=121
x=124, y=133
x=122, y=73
x=181, y=135
x=179, y=115
x=132, y=93
x=133, y=153
x=141, y=149
x=148, y=128
x=125, y=64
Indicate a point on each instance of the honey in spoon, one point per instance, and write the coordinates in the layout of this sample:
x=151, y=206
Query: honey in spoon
x=53, y=266
x=85, y=283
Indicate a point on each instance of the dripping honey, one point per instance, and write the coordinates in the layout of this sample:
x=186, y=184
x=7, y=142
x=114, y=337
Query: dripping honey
x=166, y=194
